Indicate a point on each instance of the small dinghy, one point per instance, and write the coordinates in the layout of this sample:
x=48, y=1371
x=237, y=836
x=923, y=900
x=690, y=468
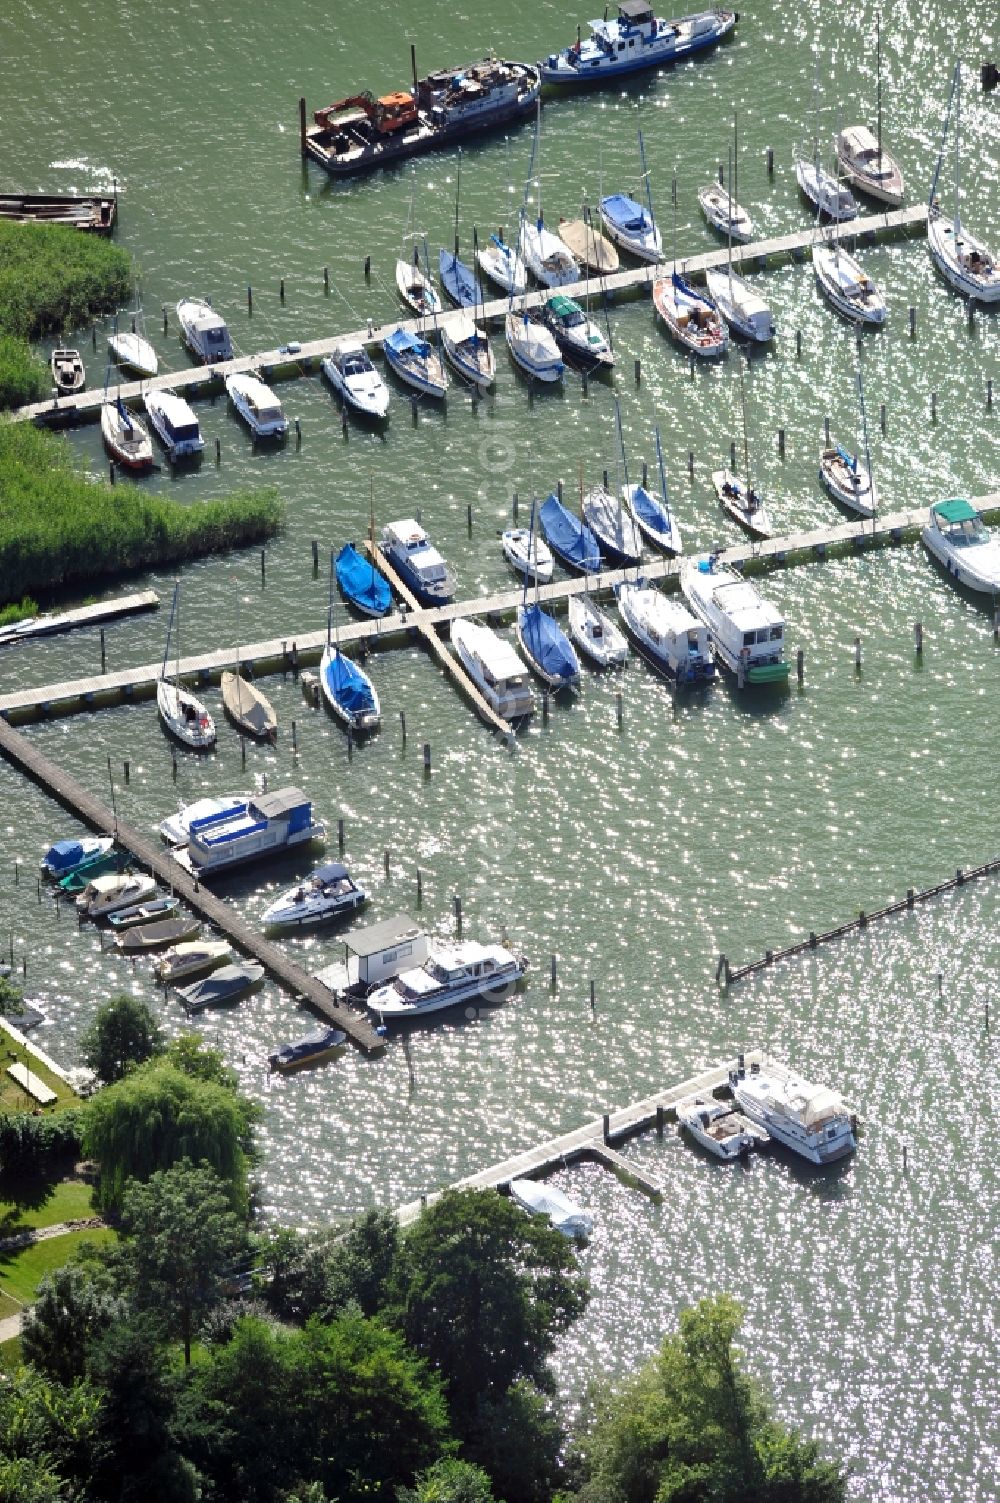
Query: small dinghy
x=327, y=893
x=459, y=281
x=570, y=539
x=631, y=227
x=125, y=437
x=494, y=667
x=204, y=331
x=126, y=892
x=533, y=347
x=310, y=1050
x=545, y=1200
x=528, y=555
x=150, y=912
x=848, y=480
x=546, y=256
x=415, y=362
x=589, y=246
x=158, y=935
x=503, y=265
x=467, y=349
x=416, y=288
x=67, y=855
x=958, y=538
x=846, y=285
x=829, y=198
x=360, y=582
x=250, y=711
x=615, y=529
x=724, y=213
x=108, y=863
x=577, y=336
x=133, y=352
x=716, y=1126
x=348, y=691
x=547, y=647
x=690, y=317
x=175, y=423
x=191, y=958
x=68, y=374
x=257, y=405
x=743, y=309
x=594, y=634
x=741, y=501
x=666, y=633
x=227, y=984
x=351, y=374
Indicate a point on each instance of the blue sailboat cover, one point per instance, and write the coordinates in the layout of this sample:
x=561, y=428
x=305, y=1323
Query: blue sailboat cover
x=548, y=644
x=361, y=582
x=650, y=511
x=627, y=215
x=64, y=855
x=681, y=286
x=569, y=537
x=403, y=345
x=458, y=281
x=851, y=460
x=349, y=686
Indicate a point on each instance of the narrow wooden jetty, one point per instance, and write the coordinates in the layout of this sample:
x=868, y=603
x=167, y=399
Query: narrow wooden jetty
x=287, y=654
x=74, y=797
x=302, y=358
x=595, y=1139
x=83, y=615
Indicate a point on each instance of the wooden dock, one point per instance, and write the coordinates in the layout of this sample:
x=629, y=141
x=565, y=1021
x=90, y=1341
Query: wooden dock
x=60, y=785
x=83, y=615
x=284, y=363
x=595, y=1139
x=288, y=654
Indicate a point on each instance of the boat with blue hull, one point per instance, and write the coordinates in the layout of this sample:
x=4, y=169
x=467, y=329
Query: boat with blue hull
x=415, y=362
x=571, y=540
x=653, y=516
x=635, y=40
x=547, y=647
x=360, y=582
x=460, y=283
x=266, y=826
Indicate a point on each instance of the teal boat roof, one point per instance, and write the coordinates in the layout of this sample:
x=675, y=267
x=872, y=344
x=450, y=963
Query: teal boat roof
x=955, y=511
x=561, y=305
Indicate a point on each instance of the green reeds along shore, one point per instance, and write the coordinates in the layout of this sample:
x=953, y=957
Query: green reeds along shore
x=58, y=527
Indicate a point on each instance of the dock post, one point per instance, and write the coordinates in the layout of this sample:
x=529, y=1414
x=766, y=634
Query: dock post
x=456, y=903
x=243, y=753
x=593, y=997
x=583, y=383
x=996, y=623
x=826, y=431
x=427, y=758
x=732, y=454
x=326, y=279
x=545, y=706
x=606, y=1127
x=468, y=517
x=111, y=471
x=741, y=670
x=691, y=463
x=104, y=653
x=298, y=433
x=798, y=344
x=281, y=290
x=559, y=490
x=513, y=506
x=691, y=361
x=638, y=372
x=909, y=897
x=800, y=665
x=862, y=919
x=604, y=477
x=173, y=762
x=302, y=124
x=126, y=770
x=350, y=743
x=882, y=420
x=813, y=940
x=420, y=888
x=857, y=653
x=913, y=322
x=263, y=577
x=989, y=391
x=940, y=982
x=218, y=451
x=552, y=972
x=340, y=835
x=619, y=710
x=414, y=410
x=781, y=443
x=659, y=1121
x=770, y=161
x=295, y=737
x=385, y=858
x=93, y=334
x=722, y=176
x=918, y=637
x=645, y=475
x=933, y=406
x=249, y=300
x=315, y=553
x=164, y=307
x=673, y=190
x=402, y=724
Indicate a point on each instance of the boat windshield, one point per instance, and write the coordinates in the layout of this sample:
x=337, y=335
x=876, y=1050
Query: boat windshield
x=968, y=533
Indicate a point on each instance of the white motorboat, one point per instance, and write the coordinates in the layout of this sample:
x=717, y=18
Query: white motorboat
x=747, y=632
x=867, y=165
x=452, y=974
x=545, y=1200
x=632, y=227
x=716, y=1126
x=547, y=257
x=743, y=309
x=528, y=555
x=175, y=829
x=666, y=632
x=637, y=39
x=809, y=1119
x=68, y=373
x=962, y=259
x=204, y=331
x=257, y=405
x=416, y=289
x=191, y=958
x=124, y=893
x=267, y=826
x=416, y=362
x=175, y=423
x=957, y=537
x=848, y=480
x=352, y=375
x=503, y=265
x=594, y=634
x=724, y=214
x=577, y=336
x=327, y=893
x=738, y=497
x=417, y=562
x=467, y=348
x=533, y=347
x=100, y=889
x=691, y=317
x=846, y=285
x=614, y=527
x=828, y=196
x=125, y=436
x=494, y=667
x=184, y=715
x=134, y=352
x=66, y=855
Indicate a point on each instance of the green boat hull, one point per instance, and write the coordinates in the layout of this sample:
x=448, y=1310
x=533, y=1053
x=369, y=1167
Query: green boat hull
x=101, y=866
x=768, y=673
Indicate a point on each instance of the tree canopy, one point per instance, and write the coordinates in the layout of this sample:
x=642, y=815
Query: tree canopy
x=124, y=1033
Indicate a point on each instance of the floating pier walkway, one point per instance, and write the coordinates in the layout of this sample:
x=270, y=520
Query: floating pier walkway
x=83, y=615
x=286, y=362
x=29, y=758
x=288, y=654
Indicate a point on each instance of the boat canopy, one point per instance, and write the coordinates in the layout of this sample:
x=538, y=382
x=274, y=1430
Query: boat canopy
x=636, y=11
x=818, y=1105
x=570, y=537
x=563, y=306
x=548, y=644
x=348, y=685
x=957, y=510
x=64, y=854
x=361, y=582
x=649, y=510
x=626, y=214
x=279, y=804
x=403, y=343
x=330, y=871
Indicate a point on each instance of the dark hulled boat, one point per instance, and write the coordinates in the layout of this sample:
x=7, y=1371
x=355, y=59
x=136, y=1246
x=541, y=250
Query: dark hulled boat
x=82, y=212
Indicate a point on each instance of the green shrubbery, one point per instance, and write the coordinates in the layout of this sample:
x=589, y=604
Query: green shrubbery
x=40, y=1146
x=23, y=378
x=53, y=277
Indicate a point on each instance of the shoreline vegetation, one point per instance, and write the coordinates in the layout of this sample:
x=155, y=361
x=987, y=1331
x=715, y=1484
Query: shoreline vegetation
x=61, y=524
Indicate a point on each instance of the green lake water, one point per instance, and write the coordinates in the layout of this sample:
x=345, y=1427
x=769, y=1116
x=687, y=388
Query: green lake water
x=719, y=822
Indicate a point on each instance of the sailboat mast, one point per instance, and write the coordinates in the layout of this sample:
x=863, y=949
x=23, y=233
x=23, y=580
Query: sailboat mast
x=746, y=445
x=864, y=434
x=958, y=134
x=944, y=138
x=458, y=190
x=735, y=169
x=645, y=174
x=878, y=83
x=170, y=627
x=329, y=603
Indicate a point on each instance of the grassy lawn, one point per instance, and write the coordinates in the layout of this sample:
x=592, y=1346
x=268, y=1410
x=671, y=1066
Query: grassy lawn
x=21, y=1272
x=12, y=1097
x=10, y=1355
x=9, y=1306
x=23, y=1206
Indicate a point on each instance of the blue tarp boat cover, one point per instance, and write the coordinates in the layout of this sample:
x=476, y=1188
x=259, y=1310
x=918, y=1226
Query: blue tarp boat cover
x=851, y=460
x=458, y=281
x=569, y=537
x=349, y=686
x=361, y=582
x=650, y=511
x=65, y=854
x=400, y=343
x=626, y=214
x=548, y=644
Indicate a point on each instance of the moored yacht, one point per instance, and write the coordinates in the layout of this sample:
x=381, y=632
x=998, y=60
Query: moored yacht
x=546, y=256
x=958, y=538
x=597, y=637
x=577, y=335
x=310, y=1050
x=175, y=423
x=204, y=331
x=867, y=165
x=417, y=562
x=527, y=553
x=848, y=480
x=636, y=39
x=494, y=667
x=691, y=317
x=828, y=197
x=327, y=893
x=350, y=372
x=724, y=214
x=452, y=974
x=630, y=225
x=743, y=309
x=666, y=632
x=266, y=826
x=809, y=1119
x=257, y=405
x=846, y=285
x=747, y=632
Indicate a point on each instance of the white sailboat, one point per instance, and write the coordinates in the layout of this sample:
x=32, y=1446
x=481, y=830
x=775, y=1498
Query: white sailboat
x=736, y=493
x=845, y=475
x=743, y=309
x=846, y=285
x=962, y=260
x=828, y=197
x=182, y=713
x=596, y=635
x=131, y=348
x=548, y=258
x=863, y=158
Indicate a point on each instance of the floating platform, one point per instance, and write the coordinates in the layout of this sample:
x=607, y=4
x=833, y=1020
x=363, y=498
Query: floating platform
x=83, y=615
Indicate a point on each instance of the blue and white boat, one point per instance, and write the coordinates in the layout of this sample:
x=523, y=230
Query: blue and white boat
x=459, y=281
x=503, y=265
x=267, y=825
x=310, y=1050
x=653, y=516
x=547, y=647
x=631, y=226
x=66, y=855
x=415, y=362
x=348, y=690
x=175, y=422
x=666, y=633
x=328, y=892
x=360, y=582
x=570, y=539
x=418, y=563
x=467, y=349
x=636, y=39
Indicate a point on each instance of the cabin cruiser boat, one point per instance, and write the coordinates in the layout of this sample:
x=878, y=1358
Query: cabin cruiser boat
x=175, y=423
x=102, y=895
x=66, y=855
x=148, y=912
x=809, y=1119
x=545, y=1200
x=266, y=826
x=848, y=480
x=631, y=226
x=104, y=863
x=494, y=668
x=351, y=374
x=227, y=984
x=158, y=934
x=716, y=1126
x=204, y=331
x=666, y=632
x=452, y=974
x=257, y=405
x=310, y=1050
x=747, y=632
x=417, y=562
x=577, y=335
x=191, y=958
x=527, y=553
x=176, y=828
x=595, y=635
x=958, y=538
x=636, y=39
x=327, y=893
